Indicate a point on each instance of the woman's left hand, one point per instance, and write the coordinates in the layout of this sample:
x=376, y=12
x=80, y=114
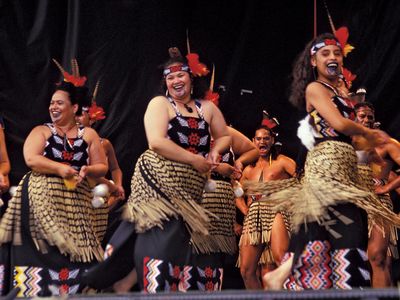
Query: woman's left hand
x=83, y=173
x=214, y=158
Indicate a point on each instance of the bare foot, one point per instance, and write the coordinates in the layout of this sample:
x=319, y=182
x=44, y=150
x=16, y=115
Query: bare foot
x=275, y=279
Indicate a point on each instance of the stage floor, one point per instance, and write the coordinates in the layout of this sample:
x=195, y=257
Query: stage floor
x=367, y=294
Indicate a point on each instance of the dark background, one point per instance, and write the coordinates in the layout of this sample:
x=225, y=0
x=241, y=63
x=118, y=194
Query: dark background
x=252, y=43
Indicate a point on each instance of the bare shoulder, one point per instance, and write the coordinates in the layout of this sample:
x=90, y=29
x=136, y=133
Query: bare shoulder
x=106, y=142
x=158, y=101
x=208, y=106
x=285, y=159
x=107, y=145
x=41, y=130
x=393, y=142
x=90, y=134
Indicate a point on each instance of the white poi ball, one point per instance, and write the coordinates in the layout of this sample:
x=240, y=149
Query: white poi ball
x=98, y=201
x=210, y=186
x=100, y=190
x=238, y=191
x=12, y=190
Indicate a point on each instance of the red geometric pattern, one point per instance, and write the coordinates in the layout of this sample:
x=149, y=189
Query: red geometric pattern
x=313, y=267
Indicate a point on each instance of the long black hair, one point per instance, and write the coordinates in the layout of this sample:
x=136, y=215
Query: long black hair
x=303, y=72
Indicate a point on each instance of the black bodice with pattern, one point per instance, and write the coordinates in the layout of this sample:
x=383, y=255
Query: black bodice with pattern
x=190, y=133
x=73, y=152
x=229, y=158
x=323, y=129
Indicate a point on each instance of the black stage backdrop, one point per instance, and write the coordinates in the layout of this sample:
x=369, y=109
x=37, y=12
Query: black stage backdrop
x=122, y=42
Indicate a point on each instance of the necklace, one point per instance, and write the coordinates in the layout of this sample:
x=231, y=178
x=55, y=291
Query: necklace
x=186, y=106
x=68, y=146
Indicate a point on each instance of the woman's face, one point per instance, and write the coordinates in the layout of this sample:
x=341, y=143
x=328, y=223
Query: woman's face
x=179, y=84
x=328, y=61
x=61, y=110
x=83, y=119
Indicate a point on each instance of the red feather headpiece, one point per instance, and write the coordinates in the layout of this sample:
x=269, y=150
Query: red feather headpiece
x=73, y=78
x=210, y=95
x=95, y=112
x=268, y=121
x=197, y=68
x=348, y=77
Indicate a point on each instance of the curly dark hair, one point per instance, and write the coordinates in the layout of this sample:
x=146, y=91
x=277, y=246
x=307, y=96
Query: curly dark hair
x=364, y=104
x=199, y=84
x=77, y=95
x=303, y=73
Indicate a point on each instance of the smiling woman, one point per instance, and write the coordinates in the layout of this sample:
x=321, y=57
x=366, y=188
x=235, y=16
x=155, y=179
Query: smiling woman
x=169, y=178
x=54, y=231
x=328, y=205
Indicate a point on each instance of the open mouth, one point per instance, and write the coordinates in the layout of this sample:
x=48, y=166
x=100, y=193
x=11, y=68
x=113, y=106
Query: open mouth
x=263, y=148
x=55, y=114
x=333, y=68
x=178, y=87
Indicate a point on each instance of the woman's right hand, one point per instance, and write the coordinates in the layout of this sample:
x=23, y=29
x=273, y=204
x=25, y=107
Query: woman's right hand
x=66, y=171
x=201, y=164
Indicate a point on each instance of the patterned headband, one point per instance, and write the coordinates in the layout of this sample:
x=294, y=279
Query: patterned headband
x=322, y=44
x=176, y=68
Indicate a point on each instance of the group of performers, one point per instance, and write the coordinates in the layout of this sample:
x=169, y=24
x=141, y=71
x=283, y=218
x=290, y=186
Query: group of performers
x=326, y=227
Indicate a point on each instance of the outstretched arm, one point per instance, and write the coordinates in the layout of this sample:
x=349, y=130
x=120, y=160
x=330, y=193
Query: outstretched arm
x=245, y=151
x=319, y=97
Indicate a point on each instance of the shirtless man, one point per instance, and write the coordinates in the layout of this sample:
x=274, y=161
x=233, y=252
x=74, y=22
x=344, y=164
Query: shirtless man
x=389, y=154
x=265, y=236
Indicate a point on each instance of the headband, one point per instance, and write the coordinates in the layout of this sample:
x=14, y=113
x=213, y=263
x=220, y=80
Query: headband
x=176, y=68
x=326, y=42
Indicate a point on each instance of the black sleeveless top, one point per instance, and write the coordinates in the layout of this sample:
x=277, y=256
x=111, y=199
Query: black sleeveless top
x=190, y=133
x=73, y=152
x=323, y=129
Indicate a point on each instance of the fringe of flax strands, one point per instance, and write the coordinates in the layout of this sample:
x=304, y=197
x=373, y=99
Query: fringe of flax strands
x=162, y=189
x=257, y=227
x=366, y=176
x=221, y=236
x=57, y=217
x=331, y=177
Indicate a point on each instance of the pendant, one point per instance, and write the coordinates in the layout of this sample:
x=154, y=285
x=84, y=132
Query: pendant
x=188, y=108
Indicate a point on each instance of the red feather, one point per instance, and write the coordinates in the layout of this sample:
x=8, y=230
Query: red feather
x=96, y=112
x=348, y=76
x=76, y=81
x=197, y=68
x=213, y=97
x=269, y=123
x=342, y=34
